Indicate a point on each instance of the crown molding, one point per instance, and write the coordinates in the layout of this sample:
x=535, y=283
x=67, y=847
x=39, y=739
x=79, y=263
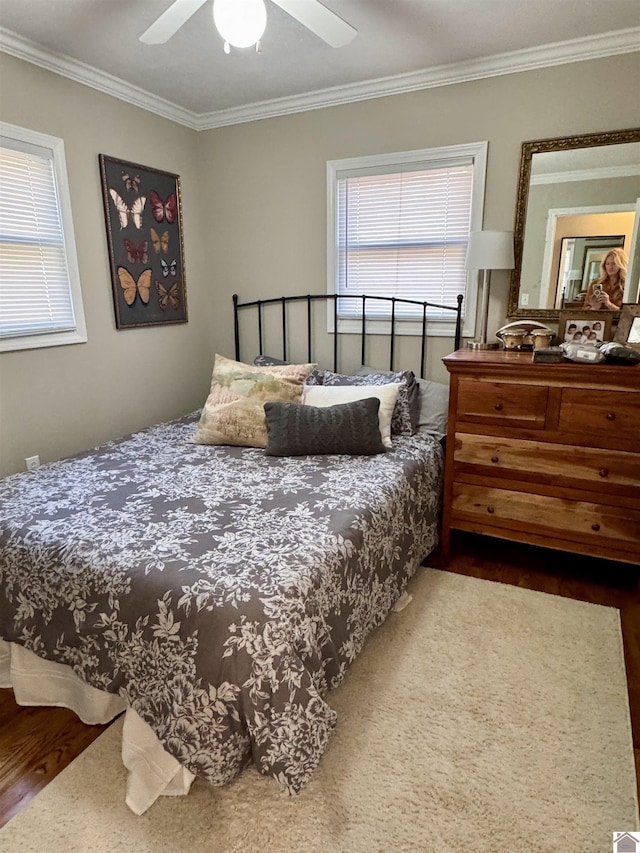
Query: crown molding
x=87, y=75
x=560, y=53
x=602, y=173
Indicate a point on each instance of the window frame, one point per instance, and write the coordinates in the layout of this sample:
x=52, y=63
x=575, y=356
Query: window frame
x=25, y=139
x=437, y=327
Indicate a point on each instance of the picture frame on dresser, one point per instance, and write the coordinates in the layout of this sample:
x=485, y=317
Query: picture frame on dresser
x=628, y=331
x=573, y=323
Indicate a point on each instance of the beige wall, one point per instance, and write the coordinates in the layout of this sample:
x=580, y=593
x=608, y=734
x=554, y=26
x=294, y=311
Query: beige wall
x=254, y=198
x=268, y=178
x=62, y=400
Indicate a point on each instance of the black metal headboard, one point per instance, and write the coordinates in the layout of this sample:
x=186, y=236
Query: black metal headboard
x=258, y=304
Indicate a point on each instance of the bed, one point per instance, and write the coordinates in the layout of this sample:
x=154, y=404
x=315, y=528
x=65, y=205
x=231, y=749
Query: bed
x=214, y=594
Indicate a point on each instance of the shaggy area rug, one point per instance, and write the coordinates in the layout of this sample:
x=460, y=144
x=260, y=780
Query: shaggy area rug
x=480, y=717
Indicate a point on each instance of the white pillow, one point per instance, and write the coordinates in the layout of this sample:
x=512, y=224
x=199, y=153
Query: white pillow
x=331, y=395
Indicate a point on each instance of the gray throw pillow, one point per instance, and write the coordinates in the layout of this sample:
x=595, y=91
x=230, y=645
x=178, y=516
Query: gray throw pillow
x=270, y=361
x=294, y=429
x=434, y=407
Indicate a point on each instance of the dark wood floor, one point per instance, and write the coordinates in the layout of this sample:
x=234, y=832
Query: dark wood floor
x=37, y=743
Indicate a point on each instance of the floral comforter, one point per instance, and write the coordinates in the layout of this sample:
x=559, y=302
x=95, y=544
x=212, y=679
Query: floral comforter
x=221, y=592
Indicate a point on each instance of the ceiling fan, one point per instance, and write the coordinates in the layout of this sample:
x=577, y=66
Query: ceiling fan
x=242, y=22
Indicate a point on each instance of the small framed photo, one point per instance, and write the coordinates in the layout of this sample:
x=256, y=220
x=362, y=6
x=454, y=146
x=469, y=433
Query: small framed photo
x=628, y=331
x=583, y=327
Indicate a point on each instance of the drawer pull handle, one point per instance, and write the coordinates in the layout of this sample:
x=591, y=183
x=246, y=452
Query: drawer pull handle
x=611, y=416
x=603, y=472
x=490, y=510
x=498, y=407
x=495, y=459
x=595, y=527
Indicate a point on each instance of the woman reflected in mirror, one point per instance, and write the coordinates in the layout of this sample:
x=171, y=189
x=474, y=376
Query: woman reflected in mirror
x=606, y=293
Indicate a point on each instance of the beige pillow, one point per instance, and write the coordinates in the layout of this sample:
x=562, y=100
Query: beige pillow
x=332, y=395
x=234, y=411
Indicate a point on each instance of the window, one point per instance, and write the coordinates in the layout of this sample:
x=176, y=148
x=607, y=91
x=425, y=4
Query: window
x=40, y=298
x=399, y=226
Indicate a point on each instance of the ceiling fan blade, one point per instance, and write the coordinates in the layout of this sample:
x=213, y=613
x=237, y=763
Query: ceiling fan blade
x=170, y=21
x=325, y=24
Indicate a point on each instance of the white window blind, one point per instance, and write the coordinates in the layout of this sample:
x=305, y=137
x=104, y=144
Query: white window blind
x=36, y=293
x=401, y=227
x=405, y=235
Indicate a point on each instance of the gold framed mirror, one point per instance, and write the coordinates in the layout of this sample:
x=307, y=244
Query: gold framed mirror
x=577, y=195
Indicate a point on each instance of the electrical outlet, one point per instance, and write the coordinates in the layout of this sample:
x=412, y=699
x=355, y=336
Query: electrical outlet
x=524, y=299
x=32, y=462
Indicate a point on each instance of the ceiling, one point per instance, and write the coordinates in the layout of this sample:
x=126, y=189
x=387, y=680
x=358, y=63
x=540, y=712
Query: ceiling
x=402, y=45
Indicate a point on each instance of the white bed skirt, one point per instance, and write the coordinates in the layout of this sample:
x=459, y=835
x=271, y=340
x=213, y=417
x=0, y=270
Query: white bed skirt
x=151, y=770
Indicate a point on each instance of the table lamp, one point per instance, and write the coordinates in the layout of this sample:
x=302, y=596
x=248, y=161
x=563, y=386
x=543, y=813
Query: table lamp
x=486, y=251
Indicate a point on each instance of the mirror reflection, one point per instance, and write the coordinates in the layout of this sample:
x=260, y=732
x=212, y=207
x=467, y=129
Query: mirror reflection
x=580, y=269
x=578, y=206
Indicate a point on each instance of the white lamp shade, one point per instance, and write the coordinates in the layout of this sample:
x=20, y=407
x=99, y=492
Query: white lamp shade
x=490, y=250
x=240, y=22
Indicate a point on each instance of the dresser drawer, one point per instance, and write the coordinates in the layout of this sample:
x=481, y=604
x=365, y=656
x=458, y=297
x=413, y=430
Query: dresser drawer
x=603, y=417
x=551, y=462
x=506, y=403
x=566, y=519
x=547, y=454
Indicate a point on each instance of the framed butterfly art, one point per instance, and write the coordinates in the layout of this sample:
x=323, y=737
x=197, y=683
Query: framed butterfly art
x=143, y=217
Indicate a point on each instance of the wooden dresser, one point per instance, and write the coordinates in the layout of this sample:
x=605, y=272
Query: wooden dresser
x=544, y=453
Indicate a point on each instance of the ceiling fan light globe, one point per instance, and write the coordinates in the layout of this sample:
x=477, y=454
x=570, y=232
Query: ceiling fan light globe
x=241, y=23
